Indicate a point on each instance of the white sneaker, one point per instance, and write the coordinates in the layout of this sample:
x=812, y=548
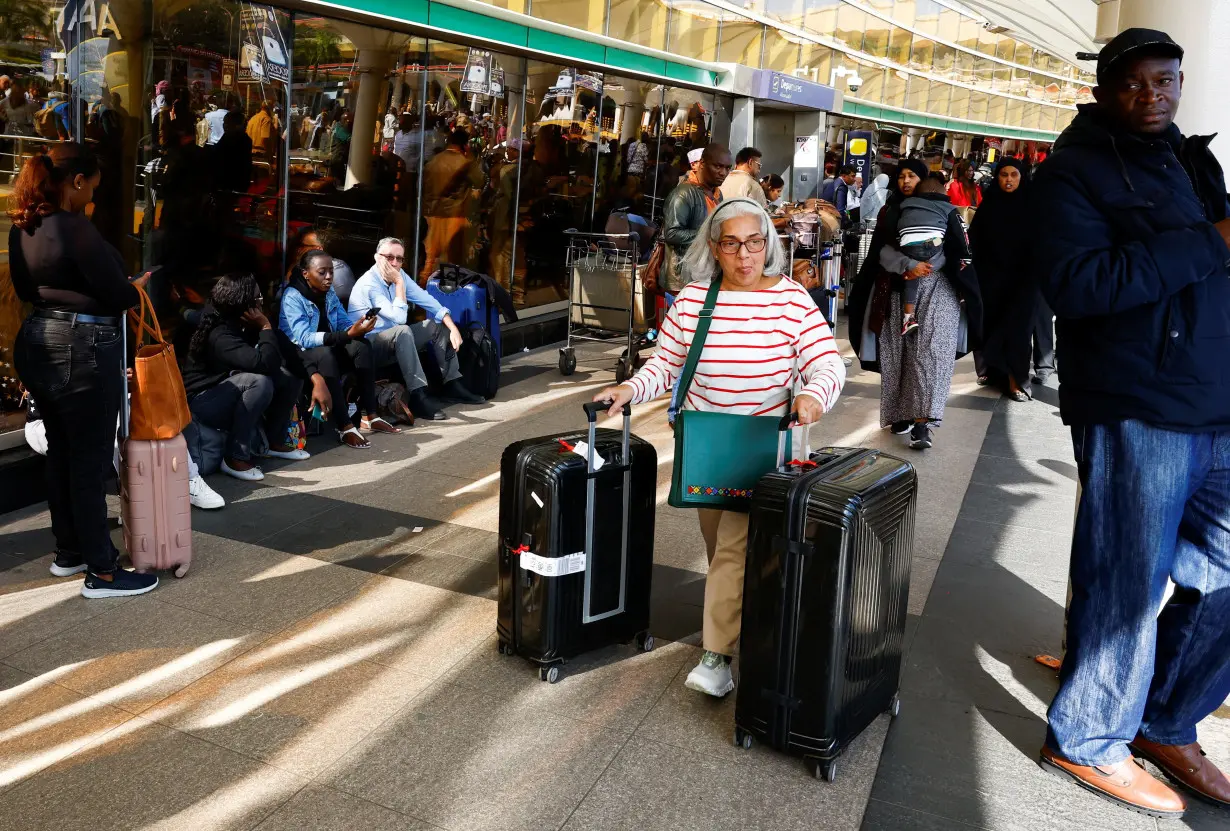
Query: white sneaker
x=202, y=496
x=295, y=455
x=252, y=474
x=711, y=676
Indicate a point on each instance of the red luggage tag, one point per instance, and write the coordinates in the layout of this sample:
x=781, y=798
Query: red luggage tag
x=801, y=463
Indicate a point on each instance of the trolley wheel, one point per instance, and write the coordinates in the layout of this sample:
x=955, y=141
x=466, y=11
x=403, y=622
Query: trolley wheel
x=644, y=642
x=622, y=373
x=505, y=649
x=743, y=738
x=549, y=674
x=894, y=706
x=826, y=770
x=567, y=362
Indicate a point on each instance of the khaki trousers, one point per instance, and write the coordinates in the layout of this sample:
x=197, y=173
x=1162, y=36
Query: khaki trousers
x=725, y=534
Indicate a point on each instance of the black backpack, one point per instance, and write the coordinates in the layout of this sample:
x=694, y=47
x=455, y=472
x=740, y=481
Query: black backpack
x=479, y=362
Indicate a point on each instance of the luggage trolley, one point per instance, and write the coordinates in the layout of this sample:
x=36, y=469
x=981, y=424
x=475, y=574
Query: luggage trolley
x=605, y=297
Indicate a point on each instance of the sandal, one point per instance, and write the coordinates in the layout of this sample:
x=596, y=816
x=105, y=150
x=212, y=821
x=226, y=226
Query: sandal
x=983, y=380
x=351, y=437
x=379, y=425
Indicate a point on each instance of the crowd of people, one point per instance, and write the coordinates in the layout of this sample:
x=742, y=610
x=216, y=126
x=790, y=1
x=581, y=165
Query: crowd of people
x=1140, y=297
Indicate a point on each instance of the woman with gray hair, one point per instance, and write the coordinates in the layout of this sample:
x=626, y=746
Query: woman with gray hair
x=765, y=339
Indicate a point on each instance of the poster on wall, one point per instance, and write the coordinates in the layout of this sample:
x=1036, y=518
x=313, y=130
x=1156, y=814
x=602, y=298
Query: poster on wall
x=262, y=53
x=806, y=151
x=477, y=77
x=497, y=82
x=229, y=67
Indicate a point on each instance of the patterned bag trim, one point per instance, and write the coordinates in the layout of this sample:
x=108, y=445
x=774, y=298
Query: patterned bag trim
x=728, y=493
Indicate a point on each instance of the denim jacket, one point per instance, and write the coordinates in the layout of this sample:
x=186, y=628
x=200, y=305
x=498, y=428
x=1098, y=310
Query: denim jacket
x=300, y=319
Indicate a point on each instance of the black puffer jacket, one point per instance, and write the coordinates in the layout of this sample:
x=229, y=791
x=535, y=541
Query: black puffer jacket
x=1137, y=275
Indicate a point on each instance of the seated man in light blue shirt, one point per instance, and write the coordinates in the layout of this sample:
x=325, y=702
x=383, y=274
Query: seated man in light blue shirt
x=387, y=288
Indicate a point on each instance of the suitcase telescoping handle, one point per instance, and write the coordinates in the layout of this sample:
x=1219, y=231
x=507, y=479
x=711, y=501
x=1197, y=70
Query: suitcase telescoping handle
x=592, y=409
x=783, y=438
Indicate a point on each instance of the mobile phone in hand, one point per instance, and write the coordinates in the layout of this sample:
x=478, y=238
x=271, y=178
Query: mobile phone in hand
x=317, y=414
x=372, y=312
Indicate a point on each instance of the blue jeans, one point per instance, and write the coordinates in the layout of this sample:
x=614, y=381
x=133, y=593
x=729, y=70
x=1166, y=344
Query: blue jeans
x=1155, y=505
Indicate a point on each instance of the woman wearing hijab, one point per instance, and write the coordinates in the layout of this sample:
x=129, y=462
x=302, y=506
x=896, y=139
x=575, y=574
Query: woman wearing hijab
x=915, y=371
x=1009, y=294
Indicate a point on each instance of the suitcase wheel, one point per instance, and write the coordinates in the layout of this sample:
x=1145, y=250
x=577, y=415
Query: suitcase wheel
x=894, y=706
x=644, y=642
x=826, y=770
x=743, y=739
x=549, y=674
x=181, y=569
x=505, y=649
x=567, y=362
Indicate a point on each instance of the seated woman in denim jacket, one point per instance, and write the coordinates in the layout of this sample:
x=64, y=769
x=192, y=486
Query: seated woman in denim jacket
x=235, y=377
x=330, y=345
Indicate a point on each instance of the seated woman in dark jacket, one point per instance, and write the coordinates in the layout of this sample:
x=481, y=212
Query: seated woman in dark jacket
x=329, y=344
x=235, y=377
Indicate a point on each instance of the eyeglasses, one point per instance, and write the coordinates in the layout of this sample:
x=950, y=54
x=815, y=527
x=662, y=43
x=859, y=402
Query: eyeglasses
x=393, y=258
x=729, y=245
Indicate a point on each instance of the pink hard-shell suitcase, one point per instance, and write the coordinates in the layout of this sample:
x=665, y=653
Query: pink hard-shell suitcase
x=154, y=505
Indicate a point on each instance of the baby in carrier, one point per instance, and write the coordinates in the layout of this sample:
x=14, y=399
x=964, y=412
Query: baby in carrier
x=920, y=240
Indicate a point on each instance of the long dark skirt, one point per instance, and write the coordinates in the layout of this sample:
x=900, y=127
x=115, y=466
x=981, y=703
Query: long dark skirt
x=1008, y=307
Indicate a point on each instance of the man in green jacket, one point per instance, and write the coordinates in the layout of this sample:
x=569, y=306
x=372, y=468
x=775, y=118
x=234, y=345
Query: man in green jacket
x=686, y=208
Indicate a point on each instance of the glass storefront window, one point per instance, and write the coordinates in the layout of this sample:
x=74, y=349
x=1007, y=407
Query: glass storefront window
x=987, y=41
x=851, y=24
x=741, y=41
x=789, y=12
x=1005, y=50
x=642, y=22
x=979, y=104
x=820, y=16
x=927, y=16
x=899, y=46
x=916, y=96
x=937, y=101
x=1001, y=78
x=781, y=53
x=964, y=70
x=958, y=106
x=1024, y=54
x=694, y=32
x=873, y=83
x=818, y=63
x=586, y=15
x=1015, y=112
x=945, y=60
x=968, y=37
x=518, y=6
x=949, y=28
x=997, y=109
x=896, y=83
x=922, y=55
x=877, y=36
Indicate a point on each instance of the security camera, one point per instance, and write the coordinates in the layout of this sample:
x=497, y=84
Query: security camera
x=854, y=82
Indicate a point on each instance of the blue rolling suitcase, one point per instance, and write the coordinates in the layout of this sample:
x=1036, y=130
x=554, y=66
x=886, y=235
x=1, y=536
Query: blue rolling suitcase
x=465, y=297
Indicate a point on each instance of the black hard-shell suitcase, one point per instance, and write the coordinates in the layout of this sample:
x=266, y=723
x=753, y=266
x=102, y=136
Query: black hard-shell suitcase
x=576, y=545
x=824, y=602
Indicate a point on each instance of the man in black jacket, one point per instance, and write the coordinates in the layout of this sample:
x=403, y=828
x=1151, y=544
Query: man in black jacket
x=1134, y=259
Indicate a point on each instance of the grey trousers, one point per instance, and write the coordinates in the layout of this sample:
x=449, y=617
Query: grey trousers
x=401, y=345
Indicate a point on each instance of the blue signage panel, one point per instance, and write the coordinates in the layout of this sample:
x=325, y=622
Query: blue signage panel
x=776, y=86
x=860, y=147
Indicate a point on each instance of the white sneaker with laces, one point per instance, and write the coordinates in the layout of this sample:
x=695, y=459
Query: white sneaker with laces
x=202, y=496
x=711, y=676
x=252, y=474
x=295, y=455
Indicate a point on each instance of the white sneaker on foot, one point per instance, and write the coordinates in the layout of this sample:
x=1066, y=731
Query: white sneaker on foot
x=252, y=474
x=202, y=496
x=295, y=455
x=711, y=676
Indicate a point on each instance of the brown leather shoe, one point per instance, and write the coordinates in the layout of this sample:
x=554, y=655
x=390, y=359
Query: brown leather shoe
x=1126, y=784
x=1188, y=767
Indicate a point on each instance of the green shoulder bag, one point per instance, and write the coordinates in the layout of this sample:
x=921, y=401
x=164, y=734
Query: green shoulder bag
x=719, y=457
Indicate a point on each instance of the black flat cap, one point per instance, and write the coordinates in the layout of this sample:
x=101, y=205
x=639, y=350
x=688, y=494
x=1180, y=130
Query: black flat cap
x=1133, y=43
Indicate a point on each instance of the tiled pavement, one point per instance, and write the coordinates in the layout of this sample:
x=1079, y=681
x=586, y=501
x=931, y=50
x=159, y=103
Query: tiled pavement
x=330, y=663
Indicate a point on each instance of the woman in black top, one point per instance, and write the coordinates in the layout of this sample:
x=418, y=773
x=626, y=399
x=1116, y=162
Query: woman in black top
x=69, y=356
x=235, y=377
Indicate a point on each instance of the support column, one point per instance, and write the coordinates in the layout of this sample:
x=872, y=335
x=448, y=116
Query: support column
x=1202, y=28
x=372, y=66
x=743, y=124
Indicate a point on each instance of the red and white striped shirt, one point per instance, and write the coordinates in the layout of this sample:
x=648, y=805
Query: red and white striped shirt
x=759, y=342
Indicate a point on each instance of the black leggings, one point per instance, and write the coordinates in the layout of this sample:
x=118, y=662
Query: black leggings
x=332, y=362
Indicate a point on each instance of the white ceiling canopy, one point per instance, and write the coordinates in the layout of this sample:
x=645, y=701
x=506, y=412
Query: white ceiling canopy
x=1061, y=27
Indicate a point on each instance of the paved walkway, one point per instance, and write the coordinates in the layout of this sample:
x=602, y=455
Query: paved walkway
x=330, y=661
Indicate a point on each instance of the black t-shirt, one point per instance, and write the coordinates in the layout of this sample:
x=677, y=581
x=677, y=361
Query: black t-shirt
x=65, y=264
